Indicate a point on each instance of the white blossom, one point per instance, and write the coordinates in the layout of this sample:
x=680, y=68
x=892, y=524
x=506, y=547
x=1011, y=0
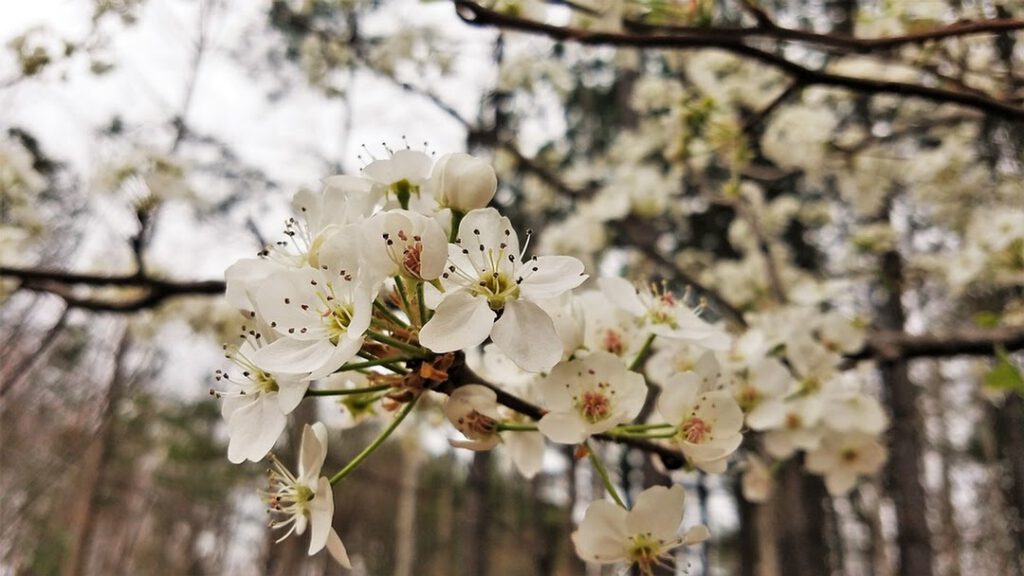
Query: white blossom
x=305, y=499
x=645, y=535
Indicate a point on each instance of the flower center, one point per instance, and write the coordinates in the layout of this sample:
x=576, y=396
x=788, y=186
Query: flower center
x=849, y=456
x=695, y=430
x=748, y=398
x=594, y=406
x=476, y=425
x=644, y=550
x=411, y=252
x=265, y=383
x=613, y=342
x=793, y=421
x=336, y=319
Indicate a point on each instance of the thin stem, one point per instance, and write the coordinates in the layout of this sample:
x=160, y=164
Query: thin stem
x=642, y=353
x=641, y=427
x=376, y=362
x=389, y=365
x=394, y=343
x=603, y=473
x=456, y=220
x=512, y=427
x=347, y=391
x=644, y=435
x=424, y=314
x=389, y=314
x=400, y=286
x=375, y=444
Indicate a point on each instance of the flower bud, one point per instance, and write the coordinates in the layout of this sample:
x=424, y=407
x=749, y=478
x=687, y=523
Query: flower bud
x=463, y=183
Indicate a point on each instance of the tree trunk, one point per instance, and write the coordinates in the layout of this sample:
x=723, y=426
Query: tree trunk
x=84, y=511
x=405, y=523
x=1010, y=424
x=907, y=443
x=799, y=522
x=476, y=539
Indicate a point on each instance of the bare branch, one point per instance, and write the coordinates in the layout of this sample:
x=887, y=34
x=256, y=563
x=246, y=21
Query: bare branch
x=477, y=15
x=154, y=291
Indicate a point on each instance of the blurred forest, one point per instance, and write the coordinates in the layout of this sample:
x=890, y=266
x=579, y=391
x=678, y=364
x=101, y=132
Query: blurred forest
x=147, y=144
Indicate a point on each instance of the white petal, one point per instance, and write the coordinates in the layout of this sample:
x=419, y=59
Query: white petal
x=526, y=334
x=622, y=294
x=476, y=445
x=527, y=451
x=840, y=482
x=562, y=428
x=321, y=513
x=313, y=450
x=768, y=414
x=346, y=349
x=698, y=533
x=459, y=322
x=254, y=429
x=337, y=549
x=602, y=536
x=288, y=356
x=243, y=278
x=290, y=393
x=658, y=510
x=554, y=276
x=679, y=396
x=487, y=227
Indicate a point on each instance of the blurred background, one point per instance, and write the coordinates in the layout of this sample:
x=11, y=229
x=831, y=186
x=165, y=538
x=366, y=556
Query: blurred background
x=145, y=145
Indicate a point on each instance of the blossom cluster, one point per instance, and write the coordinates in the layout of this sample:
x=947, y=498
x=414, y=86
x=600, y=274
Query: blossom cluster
x=401, y=282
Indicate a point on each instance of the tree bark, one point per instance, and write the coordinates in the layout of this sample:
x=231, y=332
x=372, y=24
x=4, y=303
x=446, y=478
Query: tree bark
x=799, y=522
x=1010, y=424
x=476, y=539
x=907, y=443
x=98, y=453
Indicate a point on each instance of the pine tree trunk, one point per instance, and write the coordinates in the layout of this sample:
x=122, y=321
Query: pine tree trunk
x=907, y=446
x=89, y=480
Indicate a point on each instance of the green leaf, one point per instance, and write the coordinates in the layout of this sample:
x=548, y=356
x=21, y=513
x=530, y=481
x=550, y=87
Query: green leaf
x=1005, y=375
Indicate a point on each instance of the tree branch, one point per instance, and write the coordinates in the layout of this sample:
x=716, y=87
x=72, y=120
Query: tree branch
x=154, y=291
x=477, y=15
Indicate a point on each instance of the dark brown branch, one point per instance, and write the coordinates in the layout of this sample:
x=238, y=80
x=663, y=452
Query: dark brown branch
x=460, y=375
x=892, y=345
x=766, y=28
x=480, y=16
x=153, y=291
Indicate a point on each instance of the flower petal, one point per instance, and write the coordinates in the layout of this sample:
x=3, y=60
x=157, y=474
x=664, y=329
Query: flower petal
x=254, y=429
x=460, y=321
x=602, y=535
x=526, y=334
x=313, y=450
x=321, y=513
x=337, y=549
x=551, y=276
x=527, y=452
x=288, y=356
x=622, y=294
x=562, y=428
x=659, y=511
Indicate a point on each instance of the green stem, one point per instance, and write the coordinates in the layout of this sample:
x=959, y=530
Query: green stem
x=376, y=362
x=424, y=314
x=396, y=343
x=641, y=435
x=375, y=444
x=389, y=314
x=389, y=365
x=347, y=391
x=642, y=353
x=641, y=427
x=400, y=286
x=512, y=427
x=456, y=220
x=603, y=473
